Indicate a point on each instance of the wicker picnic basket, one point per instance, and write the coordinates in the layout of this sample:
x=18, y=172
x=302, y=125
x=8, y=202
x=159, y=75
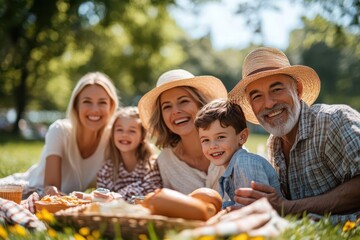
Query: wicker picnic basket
x=126, y=225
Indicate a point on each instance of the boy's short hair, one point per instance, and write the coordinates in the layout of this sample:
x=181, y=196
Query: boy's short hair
x=227, y=112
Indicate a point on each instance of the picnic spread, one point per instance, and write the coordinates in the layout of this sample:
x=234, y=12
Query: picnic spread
x=196, y=214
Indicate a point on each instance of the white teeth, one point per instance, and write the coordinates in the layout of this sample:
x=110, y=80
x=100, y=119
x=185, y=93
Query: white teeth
x=275, y=113
x=217, y=154
x=124, y=142
x=181, y=120
x=94, y=118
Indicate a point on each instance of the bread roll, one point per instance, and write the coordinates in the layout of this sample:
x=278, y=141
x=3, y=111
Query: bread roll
x=171, y=203
x=208, y=195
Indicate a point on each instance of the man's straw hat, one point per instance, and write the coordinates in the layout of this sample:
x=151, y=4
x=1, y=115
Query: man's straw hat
x=263, y=62
x=211, y=87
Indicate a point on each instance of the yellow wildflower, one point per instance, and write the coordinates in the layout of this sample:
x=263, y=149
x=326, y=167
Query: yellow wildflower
x=18, y=230
x=207, y=238
x=96, y=234
x=3, y=233
x=46, y=216
x=348, y=226
x=84, y=231
x=242, y=236
x=257, y=238
x=143, y=237
x=78, y=237
x=52, y=233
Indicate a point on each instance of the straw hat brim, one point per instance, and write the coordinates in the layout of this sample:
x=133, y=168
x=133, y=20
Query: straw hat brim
x=211, y=87
x=303, y=74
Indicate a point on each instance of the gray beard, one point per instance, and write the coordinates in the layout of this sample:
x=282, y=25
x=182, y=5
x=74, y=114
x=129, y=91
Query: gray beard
x=283, y=128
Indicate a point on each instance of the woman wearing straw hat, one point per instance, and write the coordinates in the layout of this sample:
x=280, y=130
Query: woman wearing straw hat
x=315, y=149
x=168, y=112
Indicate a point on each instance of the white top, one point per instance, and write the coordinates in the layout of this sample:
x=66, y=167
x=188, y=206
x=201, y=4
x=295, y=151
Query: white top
x=179, y=176
x=56, y=144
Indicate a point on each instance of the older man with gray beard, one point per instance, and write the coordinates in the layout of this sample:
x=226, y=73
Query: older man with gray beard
x=315, y=149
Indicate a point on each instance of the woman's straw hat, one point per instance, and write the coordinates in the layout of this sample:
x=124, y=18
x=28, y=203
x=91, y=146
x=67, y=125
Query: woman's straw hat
x=210, y=86
x=263, y=62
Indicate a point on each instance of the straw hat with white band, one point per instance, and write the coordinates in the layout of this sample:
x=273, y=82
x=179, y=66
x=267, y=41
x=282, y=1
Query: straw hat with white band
x=211, y=87
x=263, y=62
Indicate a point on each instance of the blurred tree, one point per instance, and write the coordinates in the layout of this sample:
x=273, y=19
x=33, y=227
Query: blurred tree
x=336, y=59
x=46, y=43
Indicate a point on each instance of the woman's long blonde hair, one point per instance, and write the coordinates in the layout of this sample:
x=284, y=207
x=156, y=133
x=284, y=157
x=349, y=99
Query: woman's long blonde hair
x=93, y=78
x=145, y=151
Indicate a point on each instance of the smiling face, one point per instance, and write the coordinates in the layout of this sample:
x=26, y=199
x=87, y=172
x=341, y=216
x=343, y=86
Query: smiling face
x=127, y=134
x=276, y=103
x=220, y=143
x=93, y=107
x=178, y=110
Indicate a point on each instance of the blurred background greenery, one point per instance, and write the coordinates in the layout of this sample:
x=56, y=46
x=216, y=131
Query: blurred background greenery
x=46, y=46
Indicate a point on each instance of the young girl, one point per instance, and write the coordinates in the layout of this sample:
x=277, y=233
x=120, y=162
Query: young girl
x=131, y=169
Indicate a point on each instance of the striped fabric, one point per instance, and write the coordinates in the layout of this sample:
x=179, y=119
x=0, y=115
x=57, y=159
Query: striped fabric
x=13, y=213
x=141, y=181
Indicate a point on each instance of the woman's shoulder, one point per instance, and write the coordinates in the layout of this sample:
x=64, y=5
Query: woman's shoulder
x=61, y=124
x=165, y=154
x=61, y=127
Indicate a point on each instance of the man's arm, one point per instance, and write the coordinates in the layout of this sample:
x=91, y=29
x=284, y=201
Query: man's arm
x=343, y=199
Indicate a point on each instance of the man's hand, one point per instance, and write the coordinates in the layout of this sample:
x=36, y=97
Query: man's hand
x=246, y=196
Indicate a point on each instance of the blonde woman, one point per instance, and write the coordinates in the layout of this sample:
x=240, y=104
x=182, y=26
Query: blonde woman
x=168, y=112
x=74, y=148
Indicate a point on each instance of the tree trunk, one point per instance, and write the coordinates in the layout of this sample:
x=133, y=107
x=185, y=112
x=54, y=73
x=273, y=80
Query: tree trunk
x=20, y=100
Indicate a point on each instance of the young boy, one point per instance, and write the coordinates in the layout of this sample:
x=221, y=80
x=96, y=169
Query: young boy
x=223, y=131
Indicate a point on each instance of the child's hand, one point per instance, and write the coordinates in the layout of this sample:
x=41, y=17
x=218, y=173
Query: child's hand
x=104, y=195
x=81, y=195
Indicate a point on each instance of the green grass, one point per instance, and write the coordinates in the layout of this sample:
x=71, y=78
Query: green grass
x=256, y=143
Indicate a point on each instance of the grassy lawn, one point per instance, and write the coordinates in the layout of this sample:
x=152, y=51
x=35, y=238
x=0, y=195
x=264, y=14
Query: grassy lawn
x=18, y=155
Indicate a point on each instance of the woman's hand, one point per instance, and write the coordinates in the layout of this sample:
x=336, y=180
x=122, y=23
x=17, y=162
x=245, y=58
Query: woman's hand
x=52, y=190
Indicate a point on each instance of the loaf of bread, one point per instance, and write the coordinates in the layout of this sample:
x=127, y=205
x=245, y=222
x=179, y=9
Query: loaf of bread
x=208, y=196
x=202, y=204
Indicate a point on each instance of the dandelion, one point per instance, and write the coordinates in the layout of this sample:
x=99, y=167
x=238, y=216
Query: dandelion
x=207, y=238
x=46, y=216
x=96, y=234
x=18, y=230
x=52, y=233
x=78, y=237
x=348, y=226
x=242, y=236
x=143, y=237
x=3, y=233
x=84, y=231
x=257, y=238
